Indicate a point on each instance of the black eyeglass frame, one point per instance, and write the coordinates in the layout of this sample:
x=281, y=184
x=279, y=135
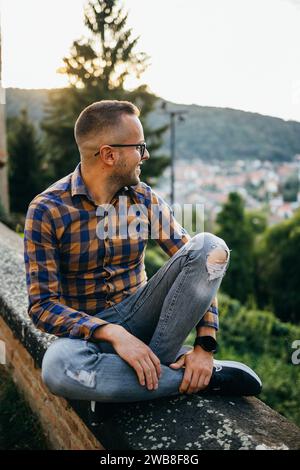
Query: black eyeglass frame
x=141, y=147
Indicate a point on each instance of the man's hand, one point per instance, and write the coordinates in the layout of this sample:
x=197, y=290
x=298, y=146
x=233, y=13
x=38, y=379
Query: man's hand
x=198, y=370
x=136, y=353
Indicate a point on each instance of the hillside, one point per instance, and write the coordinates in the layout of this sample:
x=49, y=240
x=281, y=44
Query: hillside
x=207, y=132
x=32, y=100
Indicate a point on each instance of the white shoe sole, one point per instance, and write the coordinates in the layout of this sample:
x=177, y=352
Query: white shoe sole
x=238, y=365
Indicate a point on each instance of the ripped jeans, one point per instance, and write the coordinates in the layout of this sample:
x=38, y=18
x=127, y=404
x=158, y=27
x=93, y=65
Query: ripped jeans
x=161, y=313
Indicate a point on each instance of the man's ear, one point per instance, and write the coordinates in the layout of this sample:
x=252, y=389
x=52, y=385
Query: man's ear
x=107, y=155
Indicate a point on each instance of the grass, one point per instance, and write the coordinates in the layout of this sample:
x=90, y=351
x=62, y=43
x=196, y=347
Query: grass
x=19, y=427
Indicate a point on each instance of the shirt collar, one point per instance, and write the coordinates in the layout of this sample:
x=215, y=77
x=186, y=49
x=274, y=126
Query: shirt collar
x=78, y=186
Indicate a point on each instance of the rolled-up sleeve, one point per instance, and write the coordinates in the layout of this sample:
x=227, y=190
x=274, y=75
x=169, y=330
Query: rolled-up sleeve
x=210, y=319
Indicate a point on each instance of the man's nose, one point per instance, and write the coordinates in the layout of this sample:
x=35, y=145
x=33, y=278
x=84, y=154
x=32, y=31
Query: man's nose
x=146, y=155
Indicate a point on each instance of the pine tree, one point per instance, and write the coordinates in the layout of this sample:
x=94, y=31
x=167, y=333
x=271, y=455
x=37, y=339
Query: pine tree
x=26, y=173
x=97, y=68
x=236, y=230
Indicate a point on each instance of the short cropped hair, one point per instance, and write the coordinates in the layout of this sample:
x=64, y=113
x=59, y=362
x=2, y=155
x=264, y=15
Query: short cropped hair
x=102, y=115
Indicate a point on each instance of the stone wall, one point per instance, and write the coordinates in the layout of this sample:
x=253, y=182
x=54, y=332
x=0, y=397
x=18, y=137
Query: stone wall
x=63, y=428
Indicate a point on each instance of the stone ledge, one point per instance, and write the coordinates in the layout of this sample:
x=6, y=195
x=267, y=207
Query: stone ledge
x=195, y=423
x=186, y=422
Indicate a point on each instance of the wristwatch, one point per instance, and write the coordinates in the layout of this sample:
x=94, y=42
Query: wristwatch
x=208, y=343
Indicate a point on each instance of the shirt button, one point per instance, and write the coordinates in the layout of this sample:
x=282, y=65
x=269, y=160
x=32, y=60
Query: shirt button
x=110, y=287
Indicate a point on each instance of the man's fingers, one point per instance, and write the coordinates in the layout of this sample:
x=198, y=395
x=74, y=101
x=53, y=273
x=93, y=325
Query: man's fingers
x=194, y=382
x=154, y=373
x=207, y=379
x=144, y=372
x=140, y=373
x=201, y=382
x=156, y=362
x=149, y=372
x=186, y=381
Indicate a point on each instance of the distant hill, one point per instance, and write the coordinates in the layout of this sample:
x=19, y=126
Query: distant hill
x=32, y=100
x=207, y=132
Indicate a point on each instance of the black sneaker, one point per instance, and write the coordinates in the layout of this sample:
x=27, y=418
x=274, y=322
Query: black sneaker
x=233, y=378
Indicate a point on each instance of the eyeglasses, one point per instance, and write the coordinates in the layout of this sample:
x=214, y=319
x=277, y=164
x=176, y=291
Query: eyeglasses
x=140, y=147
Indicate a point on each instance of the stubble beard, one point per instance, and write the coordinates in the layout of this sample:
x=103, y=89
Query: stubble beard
x=129, y=179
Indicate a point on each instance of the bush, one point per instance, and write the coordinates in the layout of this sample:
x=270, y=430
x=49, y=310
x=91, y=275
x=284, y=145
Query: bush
x=263, y=342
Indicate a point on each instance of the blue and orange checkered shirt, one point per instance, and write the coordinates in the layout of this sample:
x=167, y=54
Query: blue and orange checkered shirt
x=71, y=273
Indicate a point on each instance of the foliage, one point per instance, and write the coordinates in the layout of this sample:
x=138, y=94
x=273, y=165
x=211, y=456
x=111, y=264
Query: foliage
x=237, y=230
x=27, y=177
x=263, y=342
x=97, y=68
x=257, y=220
x=290, y=188
x=278, y=269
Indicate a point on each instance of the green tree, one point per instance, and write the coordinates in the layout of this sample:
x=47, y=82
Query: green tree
x=257, y=220
x=26, y=173
x=235, y=228
x=290, y=188
x=278, y=269
x=97, y=68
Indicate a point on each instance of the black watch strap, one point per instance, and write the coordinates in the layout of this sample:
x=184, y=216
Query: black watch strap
x=208, y=343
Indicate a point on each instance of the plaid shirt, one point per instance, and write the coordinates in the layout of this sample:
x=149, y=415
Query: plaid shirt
x=71, y=273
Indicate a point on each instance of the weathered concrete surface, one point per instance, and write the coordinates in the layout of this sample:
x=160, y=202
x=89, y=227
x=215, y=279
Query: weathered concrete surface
x=13, y=295
x=195, y=423
x=184, y=422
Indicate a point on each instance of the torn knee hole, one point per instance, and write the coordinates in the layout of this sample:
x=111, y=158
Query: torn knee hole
x=86, y=378
x=216, y=262
x=218, y=255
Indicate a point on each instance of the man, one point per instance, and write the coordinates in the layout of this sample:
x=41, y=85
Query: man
x=121, y=336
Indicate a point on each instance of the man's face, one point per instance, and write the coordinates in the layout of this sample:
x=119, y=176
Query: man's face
x=128, y=168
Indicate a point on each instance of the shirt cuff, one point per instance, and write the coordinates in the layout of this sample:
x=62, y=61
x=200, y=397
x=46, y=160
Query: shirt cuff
x=210, y=319
x=84, y=329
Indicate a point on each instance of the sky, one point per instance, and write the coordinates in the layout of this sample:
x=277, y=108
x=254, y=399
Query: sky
x=241, y=54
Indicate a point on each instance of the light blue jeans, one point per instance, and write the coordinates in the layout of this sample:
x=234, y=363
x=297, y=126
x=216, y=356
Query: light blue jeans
x=161, y=313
